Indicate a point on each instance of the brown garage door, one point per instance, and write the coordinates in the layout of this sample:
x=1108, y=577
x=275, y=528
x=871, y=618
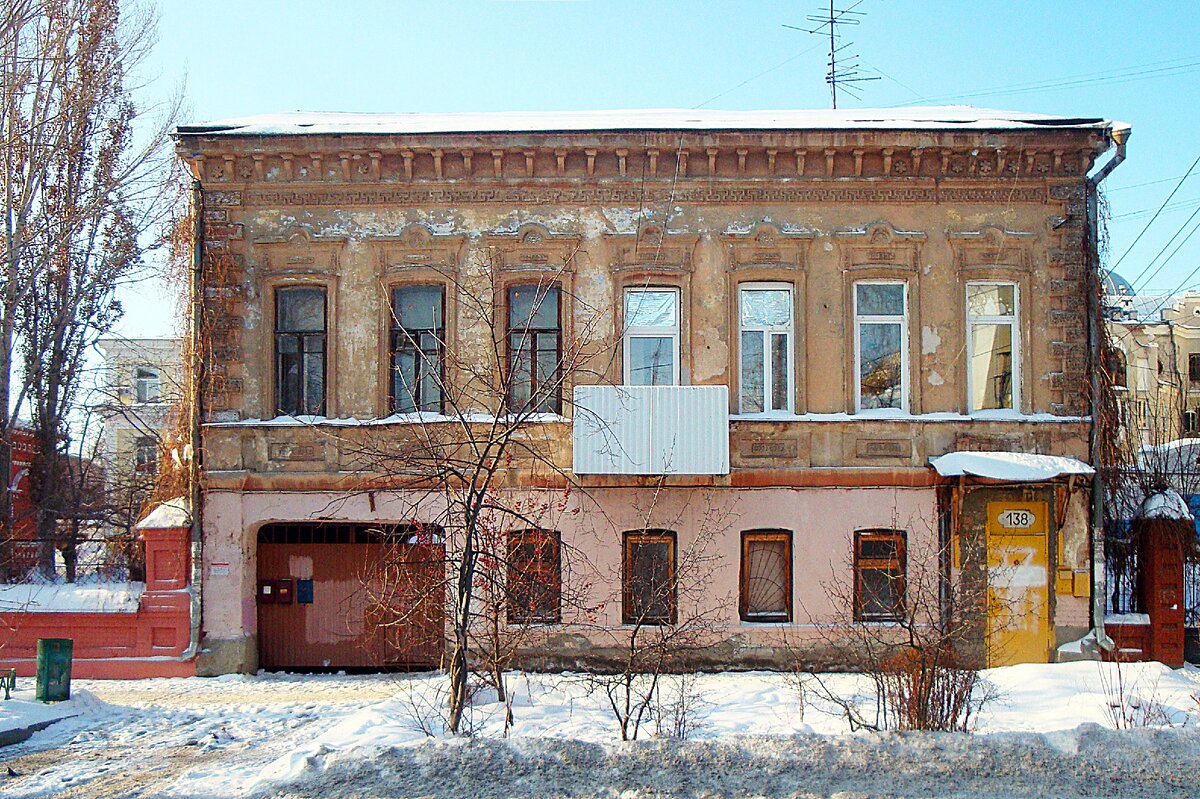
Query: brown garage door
x=349, y=596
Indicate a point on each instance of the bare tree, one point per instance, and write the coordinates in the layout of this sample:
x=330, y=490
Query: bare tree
x=915, y=631
x=78, y=194
x=476, y=454
x=669, y=616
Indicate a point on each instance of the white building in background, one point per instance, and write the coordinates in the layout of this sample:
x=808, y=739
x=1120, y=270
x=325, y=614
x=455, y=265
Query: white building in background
x=138, y=394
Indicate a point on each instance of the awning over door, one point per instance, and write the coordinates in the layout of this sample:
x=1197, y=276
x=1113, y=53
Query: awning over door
x=1011, y=467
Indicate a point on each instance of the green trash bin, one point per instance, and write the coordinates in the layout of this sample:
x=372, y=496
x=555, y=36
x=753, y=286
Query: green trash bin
x=53, y=670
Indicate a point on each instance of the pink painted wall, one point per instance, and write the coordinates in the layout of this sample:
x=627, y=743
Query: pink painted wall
x=822, y=521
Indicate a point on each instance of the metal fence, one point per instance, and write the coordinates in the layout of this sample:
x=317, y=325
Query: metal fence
x=96, y=559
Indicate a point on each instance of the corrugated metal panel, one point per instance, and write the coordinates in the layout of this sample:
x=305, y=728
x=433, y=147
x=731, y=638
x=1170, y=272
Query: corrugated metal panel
x=651, y=430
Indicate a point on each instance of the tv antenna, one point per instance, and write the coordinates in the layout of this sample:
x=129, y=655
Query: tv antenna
x=843, y=69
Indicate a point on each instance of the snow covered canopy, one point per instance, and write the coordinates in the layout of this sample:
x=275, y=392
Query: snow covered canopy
x=1015, y=467
x=952, y=117
x=1167, y=504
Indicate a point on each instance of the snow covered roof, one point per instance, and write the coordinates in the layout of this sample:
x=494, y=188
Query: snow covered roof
x=172, y=513
x=1017, y=467
x=952, y=117
x=1166, y=504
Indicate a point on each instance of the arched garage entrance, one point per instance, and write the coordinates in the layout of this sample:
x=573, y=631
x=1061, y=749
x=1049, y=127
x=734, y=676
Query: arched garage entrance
x=350, y=596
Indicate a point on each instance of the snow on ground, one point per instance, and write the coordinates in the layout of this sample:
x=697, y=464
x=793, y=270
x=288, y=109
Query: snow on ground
x=329, y=735
x=85, y=597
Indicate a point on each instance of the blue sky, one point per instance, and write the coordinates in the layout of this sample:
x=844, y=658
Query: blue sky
x=1137, y=62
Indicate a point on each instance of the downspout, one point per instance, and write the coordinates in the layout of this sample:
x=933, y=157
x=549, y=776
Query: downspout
x=1095, y=336
x=195, y=417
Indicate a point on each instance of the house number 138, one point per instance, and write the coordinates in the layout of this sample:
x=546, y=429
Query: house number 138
x=1016, y=519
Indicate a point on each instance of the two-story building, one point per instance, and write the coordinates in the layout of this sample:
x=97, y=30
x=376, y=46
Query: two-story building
x=751, y=332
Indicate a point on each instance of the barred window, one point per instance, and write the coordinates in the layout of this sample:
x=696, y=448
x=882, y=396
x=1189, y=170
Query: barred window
x=766, y=576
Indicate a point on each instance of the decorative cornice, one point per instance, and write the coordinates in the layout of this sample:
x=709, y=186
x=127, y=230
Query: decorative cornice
x=330, y=161
x=766, y=246
x=992, y=247
x=418, y=247
x=652, y=249
x=533, y=247
x=824, y=192
x=880, y=246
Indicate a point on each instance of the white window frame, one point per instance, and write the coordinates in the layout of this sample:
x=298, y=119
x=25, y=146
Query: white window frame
x=768, y=331
x=859, y=320
x=646, y=331
x=1014, y=322
x=155, y=382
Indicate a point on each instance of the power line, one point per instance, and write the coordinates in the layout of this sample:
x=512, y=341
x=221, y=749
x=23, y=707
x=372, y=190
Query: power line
x=1191, y=202
x=1147, y=183
x=1156, y=213
x=1134, y=72
x=1191, y=233
x=780, y=65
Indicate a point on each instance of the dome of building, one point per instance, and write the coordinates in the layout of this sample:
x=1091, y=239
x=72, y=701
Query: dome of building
x=1115, y=284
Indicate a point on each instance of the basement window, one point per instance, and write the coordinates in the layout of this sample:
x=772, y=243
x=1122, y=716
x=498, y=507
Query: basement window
x=648, y=578
x=879, y=575
x=766, y=576
x=534, y=577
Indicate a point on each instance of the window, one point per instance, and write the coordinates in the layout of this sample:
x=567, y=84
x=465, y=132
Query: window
x=534, y=577
x=1193, y=367
x=651, y=337
x=300, y=351
x=145, y=455
x=1191, y=421
x=766, y=577
x=147, y=384
x=649, y=578
x=880, y=346
x=534, y=348
x=879, y=567
x=1115, y=365
x=992, y=354
x=417, y=340
x=765, y=316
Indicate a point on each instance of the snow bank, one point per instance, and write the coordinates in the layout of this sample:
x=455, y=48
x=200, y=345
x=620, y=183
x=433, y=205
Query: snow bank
x=953, y=117
x=71, y=597
x=1166, y=504
x=23, y=711
x=1009, y=466
x=1035, y=698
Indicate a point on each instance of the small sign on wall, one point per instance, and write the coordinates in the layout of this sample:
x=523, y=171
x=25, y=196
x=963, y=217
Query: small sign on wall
x=218, y=570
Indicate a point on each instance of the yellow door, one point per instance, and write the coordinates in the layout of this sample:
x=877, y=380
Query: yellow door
x=1018, y=593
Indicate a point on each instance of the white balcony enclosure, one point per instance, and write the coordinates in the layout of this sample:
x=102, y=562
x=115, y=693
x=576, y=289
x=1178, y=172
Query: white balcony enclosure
x=651, y=430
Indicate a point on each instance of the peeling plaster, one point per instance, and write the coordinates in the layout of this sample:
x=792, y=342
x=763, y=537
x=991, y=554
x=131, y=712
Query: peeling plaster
x=930, y=340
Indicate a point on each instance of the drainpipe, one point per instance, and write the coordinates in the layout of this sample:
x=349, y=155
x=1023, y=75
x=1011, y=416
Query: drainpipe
x=193, y=463
x=1095, y=336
